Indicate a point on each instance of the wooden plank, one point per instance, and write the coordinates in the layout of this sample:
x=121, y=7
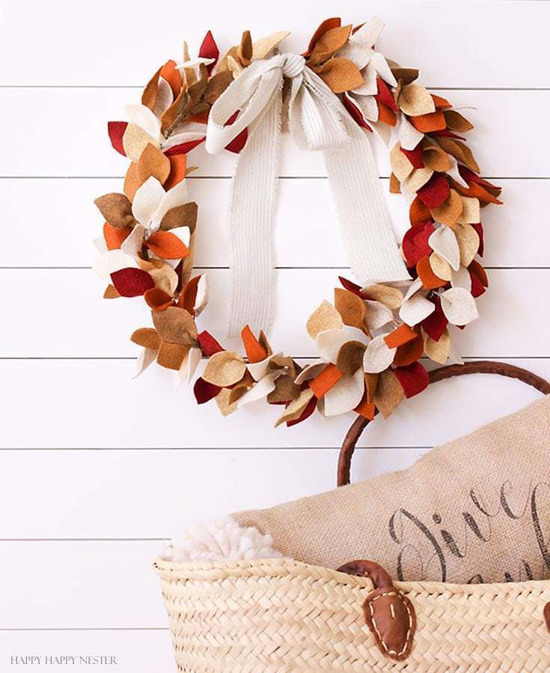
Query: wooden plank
x=92, y=45
x=95, y=404
x=307, y=232
x=81, y=323
x=71, y=138
x=163, y=490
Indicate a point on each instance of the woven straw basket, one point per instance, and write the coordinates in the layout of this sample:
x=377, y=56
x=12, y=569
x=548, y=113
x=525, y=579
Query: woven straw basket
x=282, y=615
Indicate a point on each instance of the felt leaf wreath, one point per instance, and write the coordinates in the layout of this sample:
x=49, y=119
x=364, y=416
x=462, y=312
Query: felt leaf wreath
x=370, y=339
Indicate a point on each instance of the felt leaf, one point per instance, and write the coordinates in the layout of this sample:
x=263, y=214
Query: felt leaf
x=182, y=216
x=480, y=273
x=456, y=122
x=259, y=390
x=165, y=278
x=400, y=164
x=429, y=122
x=436, y=323
x=340, y=75
x=112, y=261
x=176, y=326
x=413, y=288
x=153, y=163
x=208, y=344
x=444, y=242
x=245, y=49
x=263, y=47
x=328, y=44
x=164, y=99
x=395, y=186
x=330, y=341
x=449, y=211
x=147, y=338
x=413, y=379
x=188, y=367
x=418, y=179
x=149, y=95
x=326, y=25
x=167, y=246
x=437, y=159
x=458, y=306
x=178, y=170
x=309, y=372
x=462, y=278
x=209, y=49
x=426, y=274
x=355, y=112
x=407, y=75
x=440, y=267
x=435, y=192
x=323, y=318
x=470, y=211
x=468, y=243
x=418, y=212
x=409, y=137
x=389, y=393
x=408, y=353
x=440, y=102
x=133, y=243
x=147, y=200
x=116, y=209
x=416, y=156
x=378, y=315
x=188, y=295
x=144, y=360
x=351, y=308
x=176, y=196
x=116, y=133
x=132, y=282
x=460, y=151
x=350, y=357
x=378, y=356
x=438, y=351
x=390, y=296
x=255, y=352
x=371, y=383
x=224, y=369
x=400, y=336
x=385, y=115
x=135, y=140
x=365, y=408
x=157, y=299
x=325, y=380
x=415, y=310
x=114, y=237
x=415, y=100
x=171, y=356
x=296, y=408
x=132, y=181
x=204, y=391
x=345, y=395
x=415, y=243
x=170, y=73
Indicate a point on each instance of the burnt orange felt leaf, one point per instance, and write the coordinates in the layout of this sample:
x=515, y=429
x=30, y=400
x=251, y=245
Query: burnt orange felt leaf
x=408, y=353
x=425, y=272
x=328, y=24
x=366, y=408
x=385, y=115
x=435, y=121
x=167, y=246
x=178, y=166
x=324, y=381
x=478, y=271
x=341, y=75
x=157, y=299
x=170, y=355
x=114, y=238
x=441, y=103
x=188, y=295
x=149, y=95
x=477, y=192
x=146, y=337
x=111, y=292
x=418, y=212
x=400, y=336
x=172, y=76
x=255, y=352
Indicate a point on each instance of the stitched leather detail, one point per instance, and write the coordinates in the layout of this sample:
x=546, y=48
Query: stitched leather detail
x=390, y=617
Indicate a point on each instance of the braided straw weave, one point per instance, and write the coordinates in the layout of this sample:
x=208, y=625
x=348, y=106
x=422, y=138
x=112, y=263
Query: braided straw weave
x=282, y=615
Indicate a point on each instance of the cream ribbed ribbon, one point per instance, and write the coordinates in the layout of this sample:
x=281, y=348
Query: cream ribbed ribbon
x=317, y=121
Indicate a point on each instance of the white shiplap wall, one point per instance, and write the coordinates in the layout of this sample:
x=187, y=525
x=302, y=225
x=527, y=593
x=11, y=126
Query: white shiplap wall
x=96, y=470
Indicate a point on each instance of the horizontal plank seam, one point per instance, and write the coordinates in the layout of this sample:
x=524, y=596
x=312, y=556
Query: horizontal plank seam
x=229, y=177
x=295, y=357
x=213, y=448
x=278, y=268
x=139, y=87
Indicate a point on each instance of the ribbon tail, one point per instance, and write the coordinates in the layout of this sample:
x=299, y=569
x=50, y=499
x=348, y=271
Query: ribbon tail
x=365, y=222
x=251, y=223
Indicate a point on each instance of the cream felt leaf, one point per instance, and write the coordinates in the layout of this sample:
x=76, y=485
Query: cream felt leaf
x=259, y=369
x=100, y=245
x=415, y=100
x=416, y=309
x=413, y=288
x=369, y=87
x=418, y=179
x=195, y=62
x=309, y=372
x=132, y=244
x=201, y=299
x=468, y=243
x=135, y=140
x=471, y=213
x=380, y=64
x=173, y=198
x=296, y=408
x=389, y=393
x=438, y=351
x=330, y=341
x=444, y=242
x=165, y=97
x=263, y=47
x=224, y=369
x=441, y=267
x=392, y=297
x=345, y=394
x=368, y=107
x=112, y=261
x=462, y=278
x=409, y=137
x=146, y=358
x=188, y=368
x=146, y=119
x=359, y=47
x=147, y=201
x=458, y=306
x=378, y=315
x=259, y=390
x=378, y=356
x=325, y=317
x=400, y=164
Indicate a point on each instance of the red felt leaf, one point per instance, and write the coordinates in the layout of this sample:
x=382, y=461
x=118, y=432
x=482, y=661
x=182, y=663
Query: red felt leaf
x=204, y=391
x=306, y=413
x=384, y=95
x=470, y=176
x=355, y=113
x=237, y=144
x=351, y=286
x=445, y=133
x=416, y=156
x=477, y=286
x=209, y=49
x=436, y=323
x=479, y=228
x=184, y=148
x=116, y=133
x=132, y=282
x=415, y=243
x=209, y=345
x=434, y=192
x=413, y=378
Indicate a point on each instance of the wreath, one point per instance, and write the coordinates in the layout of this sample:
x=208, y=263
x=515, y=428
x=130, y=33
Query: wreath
x=371, y=338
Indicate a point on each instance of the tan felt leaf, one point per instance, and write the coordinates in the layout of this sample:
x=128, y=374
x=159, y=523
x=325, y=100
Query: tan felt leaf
x=437, y=159
x=116, y=209
x=341, y=75
x=391, y=297
x=149, y=95
x=164, y=277
x=132, y=181
x=171, y=356
x=224, y=369
x=146, y=337
x=400, y=164
x=389, y=393
x=468, y=243
x=415, y=100
x=265, y=45
x=471, y=213
x=135, y=140
x=456, y=122
x=350, y=357
x=285, y=390
x=395, y=186
x=222, y=400
x=323, y=318
x=418, y=179
x=440, y=267
x=438, y=351
x=351, y=307
x=240, y=388
x=182, y=216
x=153, y=163
x=371, y=383
x=460, y=152
x=176, y=326
x=296, y=408
x=449, y=212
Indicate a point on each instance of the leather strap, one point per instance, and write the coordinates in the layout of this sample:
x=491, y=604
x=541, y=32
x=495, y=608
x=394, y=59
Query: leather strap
x=479, y=367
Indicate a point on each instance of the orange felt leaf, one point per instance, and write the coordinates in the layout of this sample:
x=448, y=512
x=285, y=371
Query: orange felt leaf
x=400, y=336
x=419, y=212
x=178, y=165
x=255, y=352
x=328, y=24
x=435, y=121
x=387, y=116
x=426, y=274
x=366, y=408
x=188, y=295
x=324, y=381
x=201, y=118
x=172, y=76
x=408, y=353
x=114, y=238
x=167, y=246
x=477, y=192
x=157, y=299
x=441, y=103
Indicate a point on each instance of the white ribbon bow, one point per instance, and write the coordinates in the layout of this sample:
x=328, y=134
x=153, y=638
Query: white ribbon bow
x=317, y=120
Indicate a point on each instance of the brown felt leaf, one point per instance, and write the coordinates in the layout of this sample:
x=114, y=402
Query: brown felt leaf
x=149, y=95
x=460, y=151
x=405, y=75
x=456, y=122
x=224, y=369
x=245, y=49
x=116, y=209
x=146, y=337
x=241, y=387
x=181, y=216
x=389, y=393
x=436, y=159
x=323, y=318
x=371, y=383
x=451, y=209
x=176, y=326
x=400, y=164
x=468, y=242
x=216, y=86
x=153, y=163
x=285, y=390
x=132, y=181
x=352, y=308
x=350, y=357
x=171, y=355
x=415, y=100
x=341, y=75
x=391, y=297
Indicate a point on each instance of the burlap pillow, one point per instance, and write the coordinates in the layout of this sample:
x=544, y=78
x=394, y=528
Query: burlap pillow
x=474, y=510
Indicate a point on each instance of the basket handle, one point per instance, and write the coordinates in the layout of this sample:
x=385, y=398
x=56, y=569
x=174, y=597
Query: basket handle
x=479, y=367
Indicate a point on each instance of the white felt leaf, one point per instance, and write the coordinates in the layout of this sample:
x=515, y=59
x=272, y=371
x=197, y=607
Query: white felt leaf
x=147, y=200
x=100, y=245
x=458, y=306
x=378, y=356
x=367, y=35
x=146, y=358
x=194, y=62
x=310, y=372
x=112, y=261
x=188, y=368
x=379, y=63
x=412, y=289
x=378, y=314
x=367, y=105
x=259, y=369
x=415, y=310
x=462, y=278
x=357, y=53
x=369, y=87
x=165, y=97
x=443, y=241
x=132, y=244
x=145, y=118
x=259, y=390
x=183, y=233
x=201, y=300
x=455, y=173
x=408, y=136
x=330, y=341
x=182, y=138
x=345, y=395
x=173, y=198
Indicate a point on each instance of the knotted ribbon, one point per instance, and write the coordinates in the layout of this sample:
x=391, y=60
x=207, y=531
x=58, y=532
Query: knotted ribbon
x=317, y=120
